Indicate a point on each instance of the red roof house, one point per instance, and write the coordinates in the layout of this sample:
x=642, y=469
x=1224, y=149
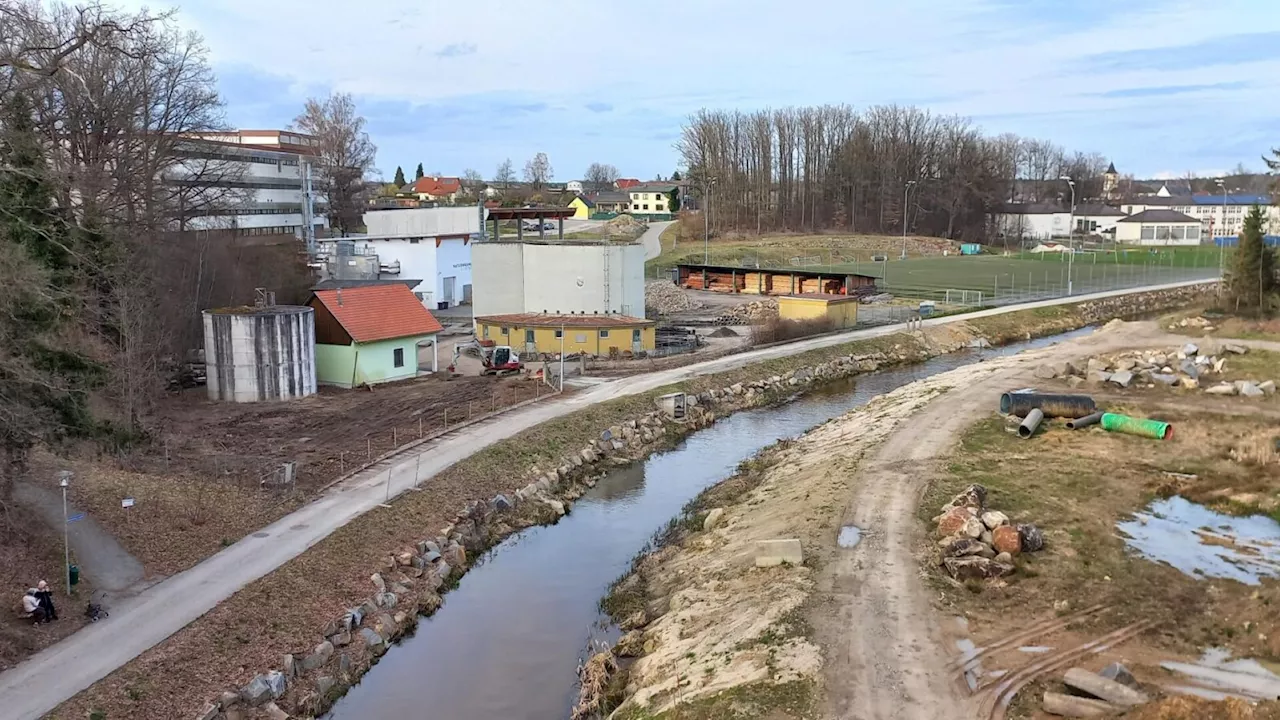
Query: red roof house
x=370, y=334
x=430, y=187
x=624, y=183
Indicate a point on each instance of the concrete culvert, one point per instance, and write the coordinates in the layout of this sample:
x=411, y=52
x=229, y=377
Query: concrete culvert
x=1030, y=423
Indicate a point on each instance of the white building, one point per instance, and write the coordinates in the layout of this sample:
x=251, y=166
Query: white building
x=1219, y=216
x=573, y=186
x=1032, y=221
x=269, y=170
x=1096, y=219
x=432, y=245
x=1158, y=227
x=591, y=278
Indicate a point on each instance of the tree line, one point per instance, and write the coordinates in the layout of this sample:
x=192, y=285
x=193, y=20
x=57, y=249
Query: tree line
x=833, y=167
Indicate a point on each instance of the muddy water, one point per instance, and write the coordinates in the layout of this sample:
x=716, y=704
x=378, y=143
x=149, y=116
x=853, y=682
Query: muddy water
x=507, y=641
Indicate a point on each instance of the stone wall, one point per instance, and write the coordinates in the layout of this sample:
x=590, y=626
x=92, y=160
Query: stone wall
x=410, y=581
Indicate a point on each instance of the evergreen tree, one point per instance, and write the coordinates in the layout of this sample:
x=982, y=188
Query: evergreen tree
x=417, y=175
x=1253, y=268
x=675, y=176
x=399, y=177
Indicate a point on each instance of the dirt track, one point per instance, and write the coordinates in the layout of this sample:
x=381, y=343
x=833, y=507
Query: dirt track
x=885, y=655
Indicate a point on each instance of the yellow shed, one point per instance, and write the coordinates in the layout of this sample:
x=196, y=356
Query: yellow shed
x=582, y=207
x=841, y=310
x=530, y=333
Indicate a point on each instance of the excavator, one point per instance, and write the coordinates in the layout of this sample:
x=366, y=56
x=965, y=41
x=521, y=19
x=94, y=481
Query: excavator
x=498, y=360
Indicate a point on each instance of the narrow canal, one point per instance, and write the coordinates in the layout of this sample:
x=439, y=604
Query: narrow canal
x=507, y=641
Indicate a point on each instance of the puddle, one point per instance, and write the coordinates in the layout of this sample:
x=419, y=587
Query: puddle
x=972, y=665
x=1035, y=649
x=1203, y=543
x=850, y=536
x=1218, y=673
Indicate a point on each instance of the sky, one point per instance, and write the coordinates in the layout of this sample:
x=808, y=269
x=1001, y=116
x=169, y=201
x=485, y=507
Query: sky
x=1160, y=87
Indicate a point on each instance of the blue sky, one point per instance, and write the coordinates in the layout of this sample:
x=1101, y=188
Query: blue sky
x=1160, y=87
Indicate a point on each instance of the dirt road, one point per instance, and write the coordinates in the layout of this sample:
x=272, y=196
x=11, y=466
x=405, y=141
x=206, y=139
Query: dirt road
x=44, y=681
x=885, y=656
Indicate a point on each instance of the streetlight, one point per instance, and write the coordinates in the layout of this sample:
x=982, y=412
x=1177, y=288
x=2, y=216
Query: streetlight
x=706, y=220
x=905, y=192
x=64, y=479
x=1222, y=249
x=1071, y=227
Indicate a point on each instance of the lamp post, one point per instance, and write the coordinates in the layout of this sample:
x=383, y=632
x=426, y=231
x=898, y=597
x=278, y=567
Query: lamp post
x=1071, y=229
x=1222, y=249
x=706, y=220
x=64, y=479
x=906, y=191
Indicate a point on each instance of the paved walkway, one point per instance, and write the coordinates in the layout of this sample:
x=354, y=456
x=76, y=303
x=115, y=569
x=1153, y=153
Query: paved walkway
x=103, y=562
x=40, y=684
x=652, y=239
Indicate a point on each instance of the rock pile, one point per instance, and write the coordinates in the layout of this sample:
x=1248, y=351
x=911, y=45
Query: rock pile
x=978, y=542
x=749, y=313
x=1193, y=322
x=664, y=298
x=624, y=225
x=1184, y=367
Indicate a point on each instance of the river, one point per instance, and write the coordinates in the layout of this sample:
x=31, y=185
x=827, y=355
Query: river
x=508, y=640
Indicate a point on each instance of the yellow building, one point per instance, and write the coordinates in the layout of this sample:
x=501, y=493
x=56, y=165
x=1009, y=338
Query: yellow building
x=601, y=335
x=841, y=310
x=582, y=208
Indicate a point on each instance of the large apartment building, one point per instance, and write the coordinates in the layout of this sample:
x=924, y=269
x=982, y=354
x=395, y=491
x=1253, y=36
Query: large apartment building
x=265, y=176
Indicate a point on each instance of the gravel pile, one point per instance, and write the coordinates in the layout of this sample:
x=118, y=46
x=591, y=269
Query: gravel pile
x=664, y=298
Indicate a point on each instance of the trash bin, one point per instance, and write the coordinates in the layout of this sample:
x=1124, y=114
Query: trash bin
x=74, y=573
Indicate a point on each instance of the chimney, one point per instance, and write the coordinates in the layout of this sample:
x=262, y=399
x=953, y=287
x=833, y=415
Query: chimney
x=339, y=297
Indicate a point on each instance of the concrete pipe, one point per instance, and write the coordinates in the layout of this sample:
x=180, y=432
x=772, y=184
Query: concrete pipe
x=1062, y=406
x=1030, y=423
x=1085, y=421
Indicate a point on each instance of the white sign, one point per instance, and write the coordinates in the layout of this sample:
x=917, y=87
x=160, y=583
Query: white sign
x=126, y=503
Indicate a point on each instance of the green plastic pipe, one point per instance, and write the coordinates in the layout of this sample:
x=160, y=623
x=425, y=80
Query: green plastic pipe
x=1142, y=427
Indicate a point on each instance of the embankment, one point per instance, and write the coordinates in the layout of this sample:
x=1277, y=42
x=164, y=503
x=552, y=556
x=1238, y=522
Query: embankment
x=299, y=636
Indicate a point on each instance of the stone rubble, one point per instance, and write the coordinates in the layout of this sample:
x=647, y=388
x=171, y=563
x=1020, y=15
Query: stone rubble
x=1187, y=367
x=664, y=298
x=979, y=543
x=749, y=313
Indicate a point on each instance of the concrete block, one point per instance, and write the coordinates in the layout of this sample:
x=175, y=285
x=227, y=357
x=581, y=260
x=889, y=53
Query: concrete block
x=777, y=552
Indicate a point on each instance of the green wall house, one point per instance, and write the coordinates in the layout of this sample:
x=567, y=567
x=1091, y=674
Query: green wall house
x=368, y=335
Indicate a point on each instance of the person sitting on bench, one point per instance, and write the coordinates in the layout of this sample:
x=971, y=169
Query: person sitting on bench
x=31, y=607
x=45, y=596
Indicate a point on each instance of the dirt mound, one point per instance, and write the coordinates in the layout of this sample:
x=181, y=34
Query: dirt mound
x=1189, y=708
x=624, y=225
x=664, y=298
x=724, y=332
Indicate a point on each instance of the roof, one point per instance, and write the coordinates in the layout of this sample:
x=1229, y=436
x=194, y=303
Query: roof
x=798, y=272
x=1207, y=199
x=610, y=196
x=624, y=183
x=1111, y=169
x=378, y=312
x=661, y=187
x=334, y=284
x=825, y=297
x=436, y=186
x=1099, y=210
x=1160, y=216
x=549, y=213
x=553, y=320
x=585, y=200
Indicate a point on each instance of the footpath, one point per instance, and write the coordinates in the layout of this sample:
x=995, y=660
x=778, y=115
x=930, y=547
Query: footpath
x=54, y=675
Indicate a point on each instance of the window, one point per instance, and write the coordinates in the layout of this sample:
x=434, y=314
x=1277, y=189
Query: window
x=646, y=207
x=528, y=335
x=485, y=333
x=604, y=334
x=1193, y=232
x=1162, y=232
x=1177, y=233
x=397, y=357
x=580, y=337
x=413, y=241
x=502, y=331
x=1148, y=232
x=559, y=334
x=635, y=335
x=659, y=208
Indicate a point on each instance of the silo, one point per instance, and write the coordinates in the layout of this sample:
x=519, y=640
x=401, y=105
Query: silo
x=255, y=354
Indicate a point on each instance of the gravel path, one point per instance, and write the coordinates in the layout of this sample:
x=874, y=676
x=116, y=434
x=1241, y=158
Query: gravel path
x=102, y=560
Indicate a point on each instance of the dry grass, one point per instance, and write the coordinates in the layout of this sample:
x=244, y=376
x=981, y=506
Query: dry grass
x=1224, y=326
x=1185, y=708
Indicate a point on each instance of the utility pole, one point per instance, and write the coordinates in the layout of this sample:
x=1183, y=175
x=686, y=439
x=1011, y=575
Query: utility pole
x=906, y=191
x=1222, y=249
x=1071, y=231
x=64, y=479
x=706, y=220
x=308, y=209
x=562, y=353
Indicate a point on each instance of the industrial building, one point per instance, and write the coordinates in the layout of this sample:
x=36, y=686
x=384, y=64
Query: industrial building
x=840, y=310
x=371, y=334
x=766, y=281
x=267, y=172
x=260, y=353
x=558, y=278
x=432, y=245
x=550, y=334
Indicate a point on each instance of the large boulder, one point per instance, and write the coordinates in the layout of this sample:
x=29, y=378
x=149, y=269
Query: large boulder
x=1006, y=539
x=1234, y=348
x=1046, y=372
x=994, y=519
x=1030, y=537
x=1097, y=377
x=319, y=656
x=960, y=547
x=1225, y=388
x=953, y=521
x=1123, y=378
x=263, y=688
x=1249, y=389
x=712, y=519
x=973, y=528
x=974, y=568
x=974, y=496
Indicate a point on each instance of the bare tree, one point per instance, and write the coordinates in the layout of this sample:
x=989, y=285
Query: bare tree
x=505, y=174
x=346, y=154
x=471, y=178
x=538, y=172
x=600, y=176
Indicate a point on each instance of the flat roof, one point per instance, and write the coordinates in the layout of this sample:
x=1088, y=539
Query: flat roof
x=502, y=213
x=553, y=320
x=552, y=240
x=776, y=271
